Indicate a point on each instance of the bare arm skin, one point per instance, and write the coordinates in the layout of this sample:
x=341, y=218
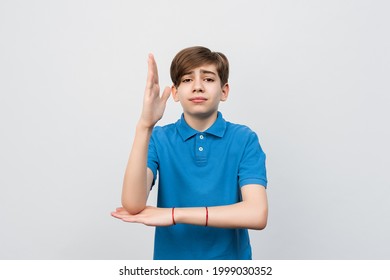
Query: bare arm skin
x=138, y=178
x=251, y=213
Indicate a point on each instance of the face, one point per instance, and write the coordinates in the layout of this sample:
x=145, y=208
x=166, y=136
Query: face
x=200, y=92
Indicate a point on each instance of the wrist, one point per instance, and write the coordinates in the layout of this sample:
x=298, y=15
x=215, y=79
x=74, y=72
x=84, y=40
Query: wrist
x=144, y=126
x=196, y=216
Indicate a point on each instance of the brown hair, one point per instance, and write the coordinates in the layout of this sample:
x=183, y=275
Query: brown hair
x=193, y=57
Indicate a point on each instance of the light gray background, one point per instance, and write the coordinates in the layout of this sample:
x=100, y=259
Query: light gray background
x=310, y=77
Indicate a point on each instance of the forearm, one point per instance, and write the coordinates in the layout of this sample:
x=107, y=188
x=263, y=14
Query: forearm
x=239, y=215
x=135, y=189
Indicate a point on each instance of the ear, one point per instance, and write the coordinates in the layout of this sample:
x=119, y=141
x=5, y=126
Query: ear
x=175, y=94
x=225, y=92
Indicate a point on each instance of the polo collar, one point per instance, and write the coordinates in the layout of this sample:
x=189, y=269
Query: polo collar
x=217, y=129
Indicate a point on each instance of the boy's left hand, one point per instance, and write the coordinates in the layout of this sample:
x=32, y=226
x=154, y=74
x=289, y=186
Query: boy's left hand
x=150, y=216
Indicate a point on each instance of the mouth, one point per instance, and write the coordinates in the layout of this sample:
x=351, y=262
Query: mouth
x=198, y=99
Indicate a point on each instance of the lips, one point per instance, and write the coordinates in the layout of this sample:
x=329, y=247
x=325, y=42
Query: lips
x=198, y=99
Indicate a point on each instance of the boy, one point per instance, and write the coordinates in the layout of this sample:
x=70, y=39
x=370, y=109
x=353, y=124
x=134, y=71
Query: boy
x=212, y=176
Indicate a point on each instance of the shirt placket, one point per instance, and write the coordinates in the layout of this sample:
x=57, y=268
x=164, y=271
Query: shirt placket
x=201, y=149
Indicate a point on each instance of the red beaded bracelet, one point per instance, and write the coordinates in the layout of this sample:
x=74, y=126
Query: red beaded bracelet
x=173, y=215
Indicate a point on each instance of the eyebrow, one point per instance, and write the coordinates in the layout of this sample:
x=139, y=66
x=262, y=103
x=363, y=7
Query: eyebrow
x=201, y=71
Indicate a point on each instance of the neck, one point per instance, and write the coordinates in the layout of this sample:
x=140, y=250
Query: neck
x=200, y=123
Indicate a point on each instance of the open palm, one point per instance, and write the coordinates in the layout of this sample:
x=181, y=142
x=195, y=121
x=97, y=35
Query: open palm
x=154, y=104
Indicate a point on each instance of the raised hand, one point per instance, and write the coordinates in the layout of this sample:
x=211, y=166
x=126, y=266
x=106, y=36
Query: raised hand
x=154, y=104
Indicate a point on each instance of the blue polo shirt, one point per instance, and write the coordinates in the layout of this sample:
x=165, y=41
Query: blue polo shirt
x=198, y=169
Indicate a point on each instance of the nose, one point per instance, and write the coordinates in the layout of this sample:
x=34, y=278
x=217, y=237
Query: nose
x=198, y=86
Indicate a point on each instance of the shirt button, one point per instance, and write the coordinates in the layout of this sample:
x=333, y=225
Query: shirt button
x=201, y=137
x=200, y=149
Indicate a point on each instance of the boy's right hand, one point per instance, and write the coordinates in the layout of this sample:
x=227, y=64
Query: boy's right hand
x=153, y=105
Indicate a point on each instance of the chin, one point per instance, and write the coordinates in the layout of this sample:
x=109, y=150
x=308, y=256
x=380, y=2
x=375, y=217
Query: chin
x=201, y=113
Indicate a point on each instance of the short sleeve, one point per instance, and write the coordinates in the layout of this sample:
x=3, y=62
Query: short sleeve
x=252, y=168
x=152, y=158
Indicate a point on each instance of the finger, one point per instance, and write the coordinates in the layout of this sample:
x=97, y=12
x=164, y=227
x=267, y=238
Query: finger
x=120, y=210
x=150, y=77
x=154, y=68
x=120, y=214
x=115, y=215
x=136, y=219
x=129, y=219
x=166, y=94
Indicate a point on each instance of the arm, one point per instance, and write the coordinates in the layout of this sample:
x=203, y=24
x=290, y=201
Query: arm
x=251, y=212
x=138, y=178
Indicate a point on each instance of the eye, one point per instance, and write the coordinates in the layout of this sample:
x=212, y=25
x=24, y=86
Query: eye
x=187, y=80
x=210, y=80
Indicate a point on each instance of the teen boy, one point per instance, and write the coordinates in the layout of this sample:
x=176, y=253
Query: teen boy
x=212, y=174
